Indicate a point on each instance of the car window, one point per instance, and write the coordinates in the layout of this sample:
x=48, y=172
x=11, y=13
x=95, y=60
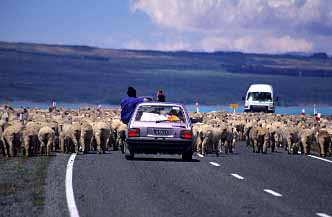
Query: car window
x=155, y=113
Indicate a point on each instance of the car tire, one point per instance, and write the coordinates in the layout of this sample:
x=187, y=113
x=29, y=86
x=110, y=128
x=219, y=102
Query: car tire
x=122, y=147
x=187, y=156
x=129, y=155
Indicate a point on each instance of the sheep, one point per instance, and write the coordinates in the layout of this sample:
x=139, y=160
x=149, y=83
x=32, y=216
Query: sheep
x=115, y=124
x=206, y=135
x=218, y=131
x=307, y=139
x=70, y=137
x=258, y=139
x=121, y=136
x=1, y=143
x=101, y=132
x=30, y=138
x=46, y=136
x=324, y=141
x=293, y=140
x=86, y=137
x=12, y=138
x=202, y=136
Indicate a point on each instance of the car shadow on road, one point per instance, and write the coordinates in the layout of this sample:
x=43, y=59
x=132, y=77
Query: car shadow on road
x=221, y=155
x=164, y=159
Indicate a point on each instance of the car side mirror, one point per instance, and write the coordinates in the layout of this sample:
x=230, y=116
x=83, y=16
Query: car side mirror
x=277, y=99
x=243, y=98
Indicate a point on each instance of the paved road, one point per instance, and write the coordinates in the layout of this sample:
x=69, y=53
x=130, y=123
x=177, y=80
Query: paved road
x=109, y=185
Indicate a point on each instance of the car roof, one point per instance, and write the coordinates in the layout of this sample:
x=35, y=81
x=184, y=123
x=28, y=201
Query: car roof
x=161, y=103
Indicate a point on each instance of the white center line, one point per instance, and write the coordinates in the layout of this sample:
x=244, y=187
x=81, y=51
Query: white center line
x=69, y=188
x=322, y=214
x=319, y=158
x=215, y=164
x=200, y=155
x=276, y=194
x=237, y=176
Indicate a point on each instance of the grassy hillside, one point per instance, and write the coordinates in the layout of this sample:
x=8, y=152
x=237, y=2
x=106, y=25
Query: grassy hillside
x=42, y=73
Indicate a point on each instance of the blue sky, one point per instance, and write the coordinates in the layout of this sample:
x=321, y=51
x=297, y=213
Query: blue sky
x=263, y=26
x=104, y=23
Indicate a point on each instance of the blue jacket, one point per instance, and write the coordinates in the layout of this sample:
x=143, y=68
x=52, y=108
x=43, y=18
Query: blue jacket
x=128, y=106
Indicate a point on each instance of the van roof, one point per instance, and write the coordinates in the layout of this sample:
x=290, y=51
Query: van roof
x=260, y=88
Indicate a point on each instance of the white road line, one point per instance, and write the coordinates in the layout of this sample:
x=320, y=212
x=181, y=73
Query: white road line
x=215, y=164
x=322, y=214
x=319, y=158
x=69, y=188
x=237, y=176
x=200, y=155
x=276, y=194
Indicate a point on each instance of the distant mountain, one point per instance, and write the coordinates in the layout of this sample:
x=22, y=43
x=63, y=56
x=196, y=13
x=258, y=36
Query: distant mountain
x=39, y=72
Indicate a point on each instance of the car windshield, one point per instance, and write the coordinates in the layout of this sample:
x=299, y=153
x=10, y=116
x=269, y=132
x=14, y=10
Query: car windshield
x=160, y=113
x=260, y=96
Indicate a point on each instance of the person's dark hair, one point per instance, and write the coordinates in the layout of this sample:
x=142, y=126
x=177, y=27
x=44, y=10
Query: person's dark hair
x=131, y=92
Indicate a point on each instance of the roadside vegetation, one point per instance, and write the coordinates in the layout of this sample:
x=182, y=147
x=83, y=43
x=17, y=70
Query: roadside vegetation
x=22, y=182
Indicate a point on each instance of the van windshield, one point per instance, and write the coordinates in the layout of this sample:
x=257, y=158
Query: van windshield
x=259, y=96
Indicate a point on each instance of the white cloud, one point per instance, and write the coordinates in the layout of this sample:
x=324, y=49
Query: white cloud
x=246, y=25
x=258, y=45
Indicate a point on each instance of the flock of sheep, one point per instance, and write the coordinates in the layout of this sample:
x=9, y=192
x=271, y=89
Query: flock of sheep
x=216, y=131
x=40, y=132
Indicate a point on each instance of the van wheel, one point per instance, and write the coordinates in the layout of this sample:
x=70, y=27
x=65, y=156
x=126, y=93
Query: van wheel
x=129, y=155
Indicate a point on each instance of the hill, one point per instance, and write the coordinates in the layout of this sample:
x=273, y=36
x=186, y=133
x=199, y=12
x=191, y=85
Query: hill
x=41, y=73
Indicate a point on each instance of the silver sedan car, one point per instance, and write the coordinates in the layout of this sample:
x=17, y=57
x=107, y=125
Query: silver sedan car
x=159, y=128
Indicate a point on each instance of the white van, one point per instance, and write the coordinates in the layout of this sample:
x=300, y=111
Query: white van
x=259, y=98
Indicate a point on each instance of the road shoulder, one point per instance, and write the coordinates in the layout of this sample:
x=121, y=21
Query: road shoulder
x=55, y=196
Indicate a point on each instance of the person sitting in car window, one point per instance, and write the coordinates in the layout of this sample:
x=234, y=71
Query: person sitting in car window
x=128, y=105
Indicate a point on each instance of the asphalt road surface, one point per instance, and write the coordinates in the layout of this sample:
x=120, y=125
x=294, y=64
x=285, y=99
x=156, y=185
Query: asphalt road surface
x=239, y=184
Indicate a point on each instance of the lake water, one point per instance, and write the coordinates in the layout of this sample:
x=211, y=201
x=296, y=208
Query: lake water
x=324, y=110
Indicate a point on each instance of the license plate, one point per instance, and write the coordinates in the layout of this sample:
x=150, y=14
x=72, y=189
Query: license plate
x=160, y=132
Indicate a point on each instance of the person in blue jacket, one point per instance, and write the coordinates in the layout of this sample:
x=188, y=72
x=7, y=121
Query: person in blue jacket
x=128, y=105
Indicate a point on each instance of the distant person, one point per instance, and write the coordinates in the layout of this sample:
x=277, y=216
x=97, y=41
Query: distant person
x=128, y=105
x=54, y=105
x=161, y=96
